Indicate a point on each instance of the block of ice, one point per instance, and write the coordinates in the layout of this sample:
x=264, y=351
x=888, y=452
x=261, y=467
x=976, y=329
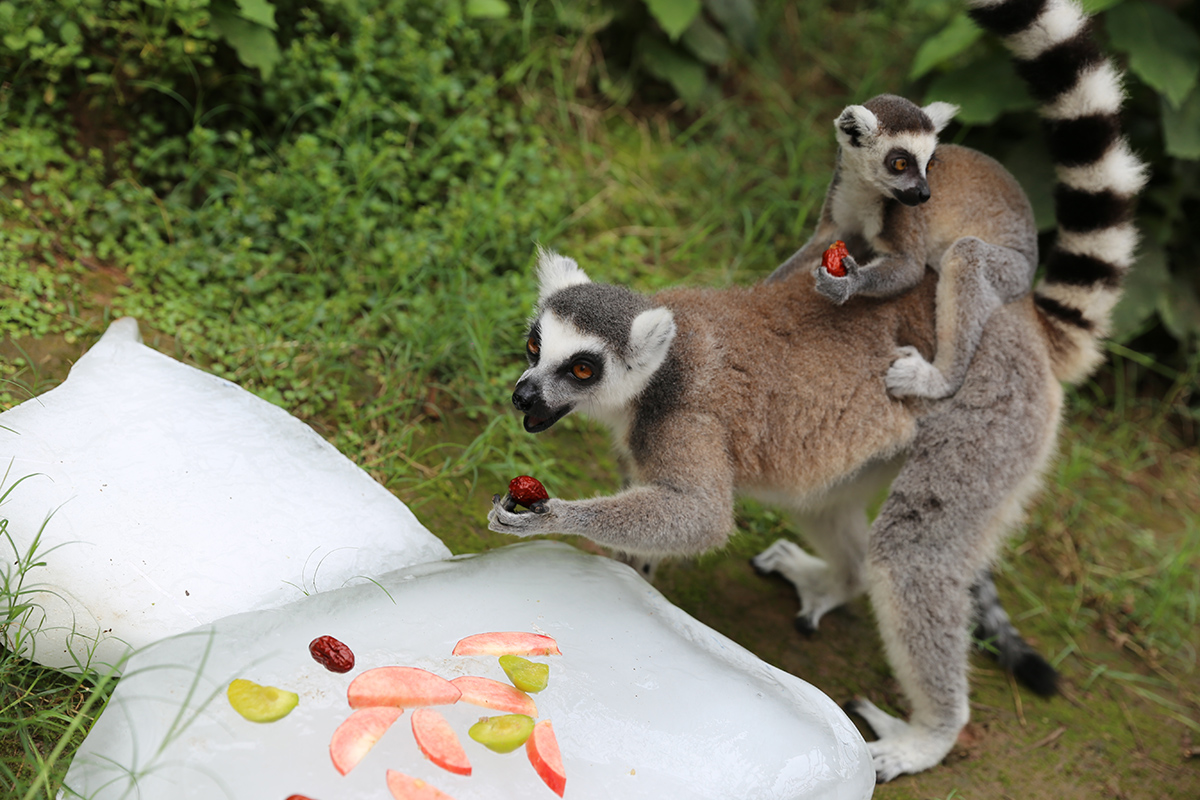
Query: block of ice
x=646, y=701
x=177, y=498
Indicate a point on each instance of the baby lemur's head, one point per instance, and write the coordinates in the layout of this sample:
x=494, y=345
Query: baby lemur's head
x=887, y=143
x=591, y=347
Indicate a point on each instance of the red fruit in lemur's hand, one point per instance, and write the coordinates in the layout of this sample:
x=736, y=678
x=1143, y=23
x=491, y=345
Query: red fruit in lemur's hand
x=831, y=259
x=526, y=490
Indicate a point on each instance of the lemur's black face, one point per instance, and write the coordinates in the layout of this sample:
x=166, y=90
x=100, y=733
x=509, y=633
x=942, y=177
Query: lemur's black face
x=908, y=184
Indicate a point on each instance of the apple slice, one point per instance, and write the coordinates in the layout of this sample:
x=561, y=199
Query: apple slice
x=260, y=703
x=358, y=734
x=500, y=643
x=438, y=741
x=542, y=749
x=404, y=687
x=405, y=787
x=493, y=694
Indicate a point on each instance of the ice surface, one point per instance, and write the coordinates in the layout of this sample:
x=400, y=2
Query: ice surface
x=646, y=701
x=178, y=498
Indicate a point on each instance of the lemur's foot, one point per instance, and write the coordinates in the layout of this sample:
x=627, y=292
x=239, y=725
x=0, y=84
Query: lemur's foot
x=912, y=376
x=902, y=748
x=540, y=519
x=820, y=591
x=838, y=290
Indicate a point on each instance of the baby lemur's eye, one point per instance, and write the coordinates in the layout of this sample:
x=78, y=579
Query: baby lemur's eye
x=581, y=371
x=899, y=164
x=532, y=346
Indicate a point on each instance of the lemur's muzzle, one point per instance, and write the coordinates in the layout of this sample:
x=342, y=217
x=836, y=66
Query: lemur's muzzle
x=914, y=195
x=527, y=397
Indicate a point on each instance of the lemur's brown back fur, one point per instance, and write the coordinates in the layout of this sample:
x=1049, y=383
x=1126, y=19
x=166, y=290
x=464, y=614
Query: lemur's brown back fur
x=810, y=424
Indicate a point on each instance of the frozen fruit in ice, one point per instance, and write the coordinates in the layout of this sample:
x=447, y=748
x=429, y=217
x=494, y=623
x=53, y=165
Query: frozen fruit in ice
x=499, y=643
x=526, y=490
x=502, y=734
x=331, y=654
x=405, y=787
x=358, y=734
x=526, y=675
x=831, y=259
x=542, y=749
x=405, y=687
x=438, y=741
x=493, y=694
x=260, y=703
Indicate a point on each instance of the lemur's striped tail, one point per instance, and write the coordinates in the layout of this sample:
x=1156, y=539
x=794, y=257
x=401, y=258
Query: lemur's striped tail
x=1080, y=93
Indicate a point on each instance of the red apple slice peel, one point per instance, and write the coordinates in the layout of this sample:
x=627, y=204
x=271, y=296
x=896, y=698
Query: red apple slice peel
x=405, y=687
x=355, y=737
x=542, y=749
x=493, y=694
x=406, y=787
x=501, y=643
x=438, y=741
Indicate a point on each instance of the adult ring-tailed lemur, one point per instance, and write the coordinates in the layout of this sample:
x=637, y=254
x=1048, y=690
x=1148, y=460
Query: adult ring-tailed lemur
x=773, y=391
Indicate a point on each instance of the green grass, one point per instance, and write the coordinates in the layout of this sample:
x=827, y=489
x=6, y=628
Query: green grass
x=356, y=245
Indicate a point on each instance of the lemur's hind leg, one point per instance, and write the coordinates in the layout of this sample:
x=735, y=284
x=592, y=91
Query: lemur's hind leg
x=975, y=279
x=837, y=530
x=975, y=461
x=840, y=535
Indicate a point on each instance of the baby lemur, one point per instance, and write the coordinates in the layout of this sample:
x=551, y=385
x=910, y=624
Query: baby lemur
x=774, y=392
x=904, y=202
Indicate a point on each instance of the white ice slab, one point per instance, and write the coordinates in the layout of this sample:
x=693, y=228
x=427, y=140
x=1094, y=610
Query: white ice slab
x=646, y=701
x=178, y=498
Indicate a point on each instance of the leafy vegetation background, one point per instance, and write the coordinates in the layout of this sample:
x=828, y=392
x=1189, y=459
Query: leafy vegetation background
x=335, y=204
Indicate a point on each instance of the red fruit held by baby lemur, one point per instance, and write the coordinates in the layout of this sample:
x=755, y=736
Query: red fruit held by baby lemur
x=526, y=490
x=831, y=259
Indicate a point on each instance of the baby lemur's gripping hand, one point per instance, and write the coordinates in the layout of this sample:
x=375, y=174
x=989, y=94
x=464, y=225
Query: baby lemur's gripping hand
x=838, y=288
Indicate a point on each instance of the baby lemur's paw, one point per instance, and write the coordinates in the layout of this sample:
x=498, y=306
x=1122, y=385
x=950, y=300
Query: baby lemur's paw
x=836, y=289
x=535, y=522
x=912, y=376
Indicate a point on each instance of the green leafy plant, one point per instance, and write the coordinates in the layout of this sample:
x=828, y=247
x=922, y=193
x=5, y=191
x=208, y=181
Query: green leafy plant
x=1160, y=46
x=680, y=43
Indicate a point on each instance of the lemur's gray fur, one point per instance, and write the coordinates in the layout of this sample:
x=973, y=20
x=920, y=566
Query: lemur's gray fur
x=902, y=202
x=774, y=392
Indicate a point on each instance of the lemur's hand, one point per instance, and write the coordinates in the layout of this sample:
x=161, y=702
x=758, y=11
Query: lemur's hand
x=538, y=520
x=838, y=290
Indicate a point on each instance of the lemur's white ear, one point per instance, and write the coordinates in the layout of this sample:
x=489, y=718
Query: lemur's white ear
x=557, y=272
x=650, y=338
x=941, y=114
x=856, y=124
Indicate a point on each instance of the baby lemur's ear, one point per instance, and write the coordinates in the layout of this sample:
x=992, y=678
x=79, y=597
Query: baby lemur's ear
x=557, y=272
x=650, y=338
x=940, y=113
x=855, y=125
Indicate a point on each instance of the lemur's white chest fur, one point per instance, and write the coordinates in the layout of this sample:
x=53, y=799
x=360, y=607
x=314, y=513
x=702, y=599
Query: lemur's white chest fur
x=858, y=208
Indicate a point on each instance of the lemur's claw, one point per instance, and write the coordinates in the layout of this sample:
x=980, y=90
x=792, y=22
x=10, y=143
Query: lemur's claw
x=505, y=519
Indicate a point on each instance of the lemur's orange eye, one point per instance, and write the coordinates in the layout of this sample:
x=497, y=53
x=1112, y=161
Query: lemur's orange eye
x=899, y=164
x=581, y=371
x=532, y=346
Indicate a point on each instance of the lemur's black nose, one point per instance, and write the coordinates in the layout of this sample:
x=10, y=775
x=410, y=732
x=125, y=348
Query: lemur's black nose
x=524, y=396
